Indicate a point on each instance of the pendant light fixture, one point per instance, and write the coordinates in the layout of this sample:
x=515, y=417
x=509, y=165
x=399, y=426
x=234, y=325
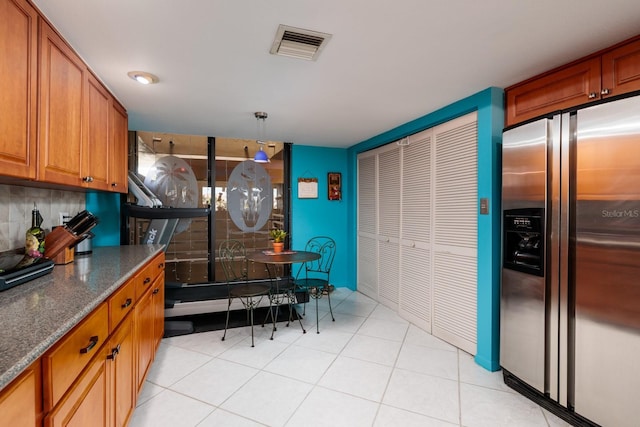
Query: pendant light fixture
x=261, y=156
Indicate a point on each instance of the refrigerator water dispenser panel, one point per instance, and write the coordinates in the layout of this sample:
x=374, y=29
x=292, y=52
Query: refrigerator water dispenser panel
x=524, y=240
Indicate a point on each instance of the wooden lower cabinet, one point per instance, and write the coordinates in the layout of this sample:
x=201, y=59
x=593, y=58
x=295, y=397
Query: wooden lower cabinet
x=62, y=365
x=144, y=337
x=158, y=312
x=86, y=403
x=103, y=389
x=21, y=401
x=122, y=360
x=149, y=315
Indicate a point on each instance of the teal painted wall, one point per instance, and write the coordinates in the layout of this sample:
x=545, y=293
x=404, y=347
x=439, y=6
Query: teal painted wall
x=489, y=105
x=106, y=206
x=322, y=217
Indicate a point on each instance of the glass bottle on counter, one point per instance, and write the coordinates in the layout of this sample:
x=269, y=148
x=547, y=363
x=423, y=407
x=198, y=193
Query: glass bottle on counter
x=34, y=242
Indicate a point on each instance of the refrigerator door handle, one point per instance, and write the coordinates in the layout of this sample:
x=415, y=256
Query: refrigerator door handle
x=565, y=375
x=553, y=276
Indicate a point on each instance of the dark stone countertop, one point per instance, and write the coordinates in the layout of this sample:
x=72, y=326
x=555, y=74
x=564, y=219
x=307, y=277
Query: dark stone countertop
x=36, y=314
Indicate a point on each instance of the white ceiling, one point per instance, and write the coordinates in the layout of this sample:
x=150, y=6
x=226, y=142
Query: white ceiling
x=388, y=62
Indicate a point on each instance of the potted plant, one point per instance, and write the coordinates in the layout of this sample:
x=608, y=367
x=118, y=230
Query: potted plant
x=278, y=236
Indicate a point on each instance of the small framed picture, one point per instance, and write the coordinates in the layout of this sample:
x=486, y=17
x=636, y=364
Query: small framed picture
x=334, y=183
x=307, y=188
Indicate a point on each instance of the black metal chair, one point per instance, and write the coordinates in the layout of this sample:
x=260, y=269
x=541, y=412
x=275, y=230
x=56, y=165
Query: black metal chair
x=313, y=276
x=232, y=256
x=282, y=292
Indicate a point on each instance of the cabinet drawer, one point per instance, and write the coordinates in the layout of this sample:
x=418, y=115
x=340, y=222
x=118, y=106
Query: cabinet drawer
x=64, y=362
x=148, y=274
x=121, y=303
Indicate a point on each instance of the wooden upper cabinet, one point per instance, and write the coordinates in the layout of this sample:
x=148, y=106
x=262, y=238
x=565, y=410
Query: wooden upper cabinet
x=95, y=171
x=62, y=110
x=612, y=72
x=119, y=148
x=565, y=88
x=621, y=70
x=18, y=83
x=83, y=129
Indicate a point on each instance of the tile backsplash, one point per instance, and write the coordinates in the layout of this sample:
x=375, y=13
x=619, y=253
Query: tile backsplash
x=16, y=204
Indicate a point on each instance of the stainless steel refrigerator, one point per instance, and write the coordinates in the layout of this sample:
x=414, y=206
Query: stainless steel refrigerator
x=570, y=301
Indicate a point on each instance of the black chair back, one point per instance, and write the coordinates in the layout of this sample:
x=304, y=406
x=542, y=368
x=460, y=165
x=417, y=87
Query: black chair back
x=326, y=247
x=233, y=257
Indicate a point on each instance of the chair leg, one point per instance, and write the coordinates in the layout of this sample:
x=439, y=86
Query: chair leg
x=251, y=316
x=226, y=325
x=317, y=319
x=269, y=314
x=292, y=300
x=330, y=310
x=272, y=317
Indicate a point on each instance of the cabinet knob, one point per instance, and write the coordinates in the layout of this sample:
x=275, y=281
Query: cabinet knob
x=605, y=92
x=114, y=184
x=88, y=179
x=593, y=95
x=114, y=353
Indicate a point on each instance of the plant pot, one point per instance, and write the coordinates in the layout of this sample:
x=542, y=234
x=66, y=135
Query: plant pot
x=278, y=246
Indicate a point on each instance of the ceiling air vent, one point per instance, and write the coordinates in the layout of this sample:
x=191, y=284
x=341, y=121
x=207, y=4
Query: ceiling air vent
x=299, y=43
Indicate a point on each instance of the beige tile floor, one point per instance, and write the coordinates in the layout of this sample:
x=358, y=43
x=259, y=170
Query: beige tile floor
x=368, y=368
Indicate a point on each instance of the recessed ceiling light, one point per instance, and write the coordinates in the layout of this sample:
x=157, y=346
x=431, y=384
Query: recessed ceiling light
x=143, y=77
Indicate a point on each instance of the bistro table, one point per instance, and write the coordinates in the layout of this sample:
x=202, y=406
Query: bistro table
x=274, y=259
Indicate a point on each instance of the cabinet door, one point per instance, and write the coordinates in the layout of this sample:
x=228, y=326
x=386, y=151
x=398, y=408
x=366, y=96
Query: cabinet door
x=121, y=357
x=119, y=148
x=565, y=88
x=621, y=70
x=62, y=101
x=158, y=311
x=87, y=402
x=144, y=337
x=18, y=82
x=21, y=401
x=95, y=171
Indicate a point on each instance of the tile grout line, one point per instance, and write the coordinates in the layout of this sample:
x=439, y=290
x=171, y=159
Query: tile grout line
x=393, y=369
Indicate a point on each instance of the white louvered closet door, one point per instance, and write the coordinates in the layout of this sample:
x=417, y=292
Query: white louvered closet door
x=415, y=243
x=367, y=225
x=389, y=193
x=455, y=232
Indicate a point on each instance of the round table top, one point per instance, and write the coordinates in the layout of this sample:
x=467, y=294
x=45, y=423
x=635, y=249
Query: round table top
x=285, y=257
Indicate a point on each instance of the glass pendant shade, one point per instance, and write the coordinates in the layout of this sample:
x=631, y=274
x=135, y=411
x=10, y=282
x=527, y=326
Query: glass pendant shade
x=261, y=156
